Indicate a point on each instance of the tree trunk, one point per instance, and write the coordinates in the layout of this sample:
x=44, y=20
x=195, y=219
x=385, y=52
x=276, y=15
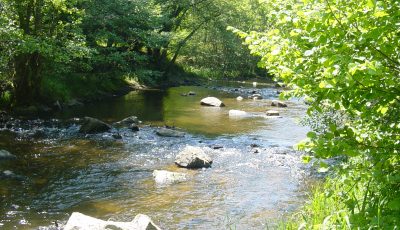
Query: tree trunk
x=27, y=78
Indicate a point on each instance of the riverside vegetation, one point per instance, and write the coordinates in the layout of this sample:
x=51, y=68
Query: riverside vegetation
x=57, y=50
x=341, y=56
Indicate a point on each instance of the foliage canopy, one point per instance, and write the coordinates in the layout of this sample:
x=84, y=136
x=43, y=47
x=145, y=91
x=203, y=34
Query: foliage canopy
x=344, y=56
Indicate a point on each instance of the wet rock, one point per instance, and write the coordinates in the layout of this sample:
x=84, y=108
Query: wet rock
x=184, y=94
x=254, y=145
x=127, y=122
x=79, y=221
x=212, y=101
x=193, y=157
x=167, y=177
x=239, y=98
x=92, y=125
x=134, y=127
x=6, y=155
x=7, y=174
x=74, y=103
x=191, y=93
x=272, y=113
x=237, y=113
x=256, y=96
x=164, y=132
x=117, y=136
x=254, y=84
x=278, y=104
x=216, y=146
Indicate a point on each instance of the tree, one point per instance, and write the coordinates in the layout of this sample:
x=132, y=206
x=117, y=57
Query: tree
x=344, y=56
x=37, y=35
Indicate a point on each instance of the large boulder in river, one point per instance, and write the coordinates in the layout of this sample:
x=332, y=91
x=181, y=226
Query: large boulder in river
x=6, y=155
x=164, y=132
x=92, y=125
x=167, y=177
x=79, y=221
x=212, y=101
x=193, y=157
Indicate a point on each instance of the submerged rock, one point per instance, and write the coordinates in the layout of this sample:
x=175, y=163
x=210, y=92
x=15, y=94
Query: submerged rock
x=191, y=93
x=7, y=174
x=256, y=96
x=6, y=155
x=79, y=221
x=164, y=132
x=93, y=125
x=272, y=113
x=193, y=157
x=212, y=101
x=167, y=177
x=237, y=113
x=278, y=104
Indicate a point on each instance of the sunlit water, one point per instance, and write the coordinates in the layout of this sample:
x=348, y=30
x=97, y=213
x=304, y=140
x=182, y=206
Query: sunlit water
x=61, y=171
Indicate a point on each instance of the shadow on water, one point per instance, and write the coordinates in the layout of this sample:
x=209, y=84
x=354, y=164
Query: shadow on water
x=251, y=181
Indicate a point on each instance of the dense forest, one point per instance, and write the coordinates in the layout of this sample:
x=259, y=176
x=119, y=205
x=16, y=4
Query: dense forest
x=57, y=50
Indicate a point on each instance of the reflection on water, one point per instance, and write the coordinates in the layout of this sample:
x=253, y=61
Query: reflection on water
x=112, y=179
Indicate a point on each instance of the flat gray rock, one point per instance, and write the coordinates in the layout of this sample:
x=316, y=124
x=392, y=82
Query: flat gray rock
x=79, y=221
x=167, y=177
x=272, y=113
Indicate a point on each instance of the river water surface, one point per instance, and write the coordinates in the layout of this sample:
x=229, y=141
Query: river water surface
x=255, y=179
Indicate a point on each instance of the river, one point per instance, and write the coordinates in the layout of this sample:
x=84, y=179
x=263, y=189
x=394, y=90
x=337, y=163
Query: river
x=256, y=178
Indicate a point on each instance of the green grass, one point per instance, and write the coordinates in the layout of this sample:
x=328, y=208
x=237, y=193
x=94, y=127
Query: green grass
x=354, y=198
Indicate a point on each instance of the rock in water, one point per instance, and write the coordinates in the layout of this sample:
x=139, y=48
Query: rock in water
x=79, y=221
x=191, y=93
x=6, y=155
x=167, y=177
x=169, y=133
x=93, y=125
x=212, y=101
x=278, y=104
x=239, y=98
x=127, y=122
x=193, y=157
x=272, y=113
x=237, y=113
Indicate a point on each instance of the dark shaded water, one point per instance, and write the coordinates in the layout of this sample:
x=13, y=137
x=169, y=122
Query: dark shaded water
x=61, y=171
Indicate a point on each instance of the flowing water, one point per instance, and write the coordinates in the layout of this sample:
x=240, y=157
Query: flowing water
x=255, y=178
